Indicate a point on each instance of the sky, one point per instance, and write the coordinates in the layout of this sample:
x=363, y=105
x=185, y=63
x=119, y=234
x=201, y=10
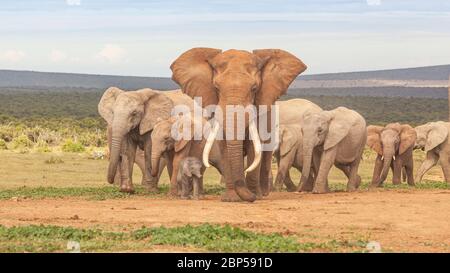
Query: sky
x=142, y=38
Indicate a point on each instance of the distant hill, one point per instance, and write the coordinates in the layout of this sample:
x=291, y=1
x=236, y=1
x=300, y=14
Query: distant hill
x=430, y=81
x=11, y=78
x=430, y=73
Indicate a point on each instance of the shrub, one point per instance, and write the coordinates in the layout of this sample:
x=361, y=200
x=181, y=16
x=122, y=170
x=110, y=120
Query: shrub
x=42, y=147
x=3, y=145
x=54, y=160
x=22, y=142
x=72, y=147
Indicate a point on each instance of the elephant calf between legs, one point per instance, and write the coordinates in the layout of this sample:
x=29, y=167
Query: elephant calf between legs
x=189, y=177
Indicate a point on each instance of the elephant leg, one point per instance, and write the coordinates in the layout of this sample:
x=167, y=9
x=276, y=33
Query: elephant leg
x=252, y=177
x=326, y=162
x=430, y=161
x=377, y=172
x=173, y=190
x=126, y=184
x=140, y=162
x=354, y=179
x=445, y=165
x=284, y=165
x=290, y=186
x=409, y=170
x=397, y=172
x=308, y=185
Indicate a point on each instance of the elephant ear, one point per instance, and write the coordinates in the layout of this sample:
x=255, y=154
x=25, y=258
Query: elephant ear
x=105, y=106
x=340, y=124
x=193, y=73
x=374, y=138
x=280, y=69
x=184, y=138
x=436, y=136
x=288, y=141
x=407, y=138
x=157, y=107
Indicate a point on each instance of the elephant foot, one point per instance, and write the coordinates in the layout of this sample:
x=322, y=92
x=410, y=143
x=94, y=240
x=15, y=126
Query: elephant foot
x=305, y=188
x=319, y=190
x=412, y=184
x=151, y=189
x=230, y=196
x=127, y=188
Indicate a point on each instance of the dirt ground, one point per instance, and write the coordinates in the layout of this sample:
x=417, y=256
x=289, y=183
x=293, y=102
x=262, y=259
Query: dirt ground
x=401, y=220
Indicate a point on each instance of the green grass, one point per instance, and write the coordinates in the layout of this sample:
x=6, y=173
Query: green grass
x=90, y=193
x=208, y=237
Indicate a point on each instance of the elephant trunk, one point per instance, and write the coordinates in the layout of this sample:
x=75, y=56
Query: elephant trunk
x=116, y=146
x=307, y=160
x=388, y=154
x=156, y=158
x=236, y=161
x=306, y=168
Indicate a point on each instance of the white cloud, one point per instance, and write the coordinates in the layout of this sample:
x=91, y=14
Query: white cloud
x=12, y=56
x=57, y=56
x=73, y=2
x=373, y=2
x=111, y=53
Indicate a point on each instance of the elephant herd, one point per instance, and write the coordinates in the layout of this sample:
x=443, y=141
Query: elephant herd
x=141, y=126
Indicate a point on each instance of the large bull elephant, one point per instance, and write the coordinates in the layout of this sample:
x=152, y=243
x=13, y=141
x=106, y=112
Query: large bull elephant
x=340, y=135
x=394, y=145
x=238, y=78
x=131, y=117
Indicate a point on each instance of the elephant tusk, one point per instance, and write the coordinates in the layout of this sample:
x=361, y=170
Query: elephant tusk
x=254, y=136
x=209, y=143
x=382, y=157
x=393, y=157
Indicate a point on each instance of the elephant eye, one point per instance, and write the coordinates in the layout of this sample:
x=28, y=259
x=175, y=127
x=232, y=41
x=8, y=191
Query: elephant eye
x=254, y=87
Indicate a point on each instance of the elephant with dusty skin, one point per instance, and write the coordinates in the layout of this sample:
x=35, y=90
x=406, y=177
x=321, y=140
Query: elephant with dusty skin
x=139, y=160
x=338, y=137
x=394, y=146
x=167, y=144
x=238, y=78
x=131, y=117
x=433, y=138
x=290, y=149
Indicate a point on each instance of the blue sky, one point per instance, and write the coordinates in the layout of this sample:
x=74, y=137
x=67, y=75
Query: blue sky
x=142, y=38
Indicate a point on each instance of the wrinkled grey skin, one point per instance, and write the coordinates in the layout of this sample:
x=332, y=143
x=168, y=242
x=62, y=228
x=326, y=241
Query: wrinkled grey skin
x=290, y=149
x=433, y=138
x=290, y=154
x=131, y=117
x=188, y=177
x=165, y=146
x=340, y=135
x=139, y=161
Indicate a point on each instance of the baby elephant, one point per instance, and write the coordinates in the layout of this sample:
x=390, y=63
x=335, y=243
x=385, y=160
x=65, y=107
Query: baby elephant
x=433, y=138
x=189, y=178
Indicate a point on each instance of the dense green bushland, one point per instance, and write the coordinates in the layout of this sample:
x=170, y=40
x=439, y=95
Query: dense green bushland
x=68, y=118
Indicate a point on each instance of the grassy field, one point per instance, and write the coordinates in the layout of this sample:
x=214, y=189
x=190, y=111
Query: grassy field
x=57, y=175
